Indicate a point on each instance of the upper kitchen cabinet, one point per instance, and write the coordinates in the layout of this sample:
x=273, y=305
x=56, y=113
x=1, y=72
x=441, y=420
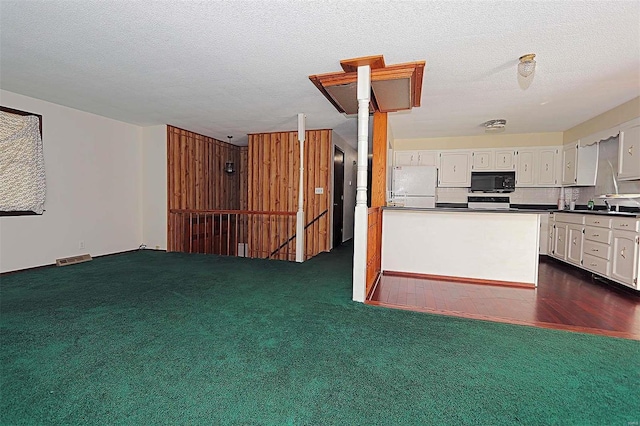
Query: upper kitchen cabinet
x=405, y=158
x=455, y=169
x=505, y=159
x=427, y=158
x=537, y=167
x=629, y=152
x=415, y=158
x=525, y=160
x=579, y=164
x=548, y=164
x=482, y=160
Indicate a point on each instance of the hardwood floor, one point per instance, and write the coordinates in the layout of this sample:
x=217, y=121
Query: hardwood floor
x=566, y=298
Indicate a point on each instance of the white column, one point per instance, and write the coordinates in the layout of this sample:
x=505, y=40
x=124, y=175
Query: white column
x=300, y=214
x=361, y=217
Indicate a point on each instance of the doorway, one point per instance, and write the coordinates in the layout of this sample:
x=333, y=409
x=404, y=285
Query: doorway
x=338, y=195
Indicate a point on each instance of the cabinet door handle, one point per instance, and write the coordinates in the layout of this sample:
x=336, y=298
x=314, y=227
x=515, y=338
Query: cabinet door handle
x=525, y=167
x=546, y=167
x=624, y=225
x=593, y=264
x=454, y=169
x=594, y=249
x=622, y=253
x=568, y=165
x=574, y=241
x=596, y=235
x=630, y=150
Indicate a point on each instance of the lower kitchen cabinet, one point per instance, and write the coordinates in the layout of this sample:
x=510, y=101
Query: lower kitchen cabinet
x=624, y=266
x=574, y=244
x=560, y=241
x=605, y=245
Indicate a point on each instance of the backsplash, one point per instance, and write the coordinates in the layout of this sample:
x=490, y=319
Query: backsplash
x=543, y=196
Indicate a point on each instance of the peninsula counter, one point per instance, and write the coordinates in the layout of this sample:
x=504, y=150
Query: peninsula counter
x=499, y=247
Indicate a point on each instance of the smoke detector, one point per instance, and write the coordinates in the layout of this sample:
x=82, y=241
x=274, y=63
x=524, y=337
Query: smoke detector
x=494, y=126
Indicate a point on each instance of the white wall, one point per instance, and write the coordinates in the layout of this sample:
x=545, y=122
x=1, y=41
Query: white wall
x=93, y=172
x=350, y=155
x=154, y=187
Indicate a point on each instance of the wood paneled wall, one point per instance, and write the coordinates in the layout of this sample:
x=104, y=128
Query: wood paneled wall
x=196, y=176
x=273, y=179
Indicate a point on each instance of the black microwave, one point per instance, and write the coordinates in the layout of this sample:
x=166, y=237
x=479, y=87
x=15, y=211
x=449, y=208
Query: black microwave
x=493, y=181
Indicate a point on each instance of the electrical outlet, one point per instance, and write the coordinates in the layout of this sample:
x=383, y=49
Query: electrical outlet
x=81, y=244
x=157, y=247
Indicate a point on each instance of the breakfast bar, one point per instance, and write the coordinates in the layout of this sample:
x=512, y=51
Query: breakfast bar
x=496, y=247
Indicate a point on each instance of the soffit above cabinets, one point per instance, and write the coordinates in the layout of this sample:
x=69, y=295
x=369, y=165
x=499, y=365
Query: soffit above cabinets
x=393, y=88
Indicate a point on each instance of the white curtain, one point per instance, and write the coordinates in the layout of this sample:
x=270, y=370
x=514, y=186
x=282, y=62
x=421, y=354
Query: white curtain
x=22, y=178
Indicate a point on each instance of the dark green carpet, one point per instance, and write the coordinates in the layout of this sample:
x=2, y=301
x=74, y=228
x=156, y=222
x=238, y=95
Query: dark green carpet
x=156, y=338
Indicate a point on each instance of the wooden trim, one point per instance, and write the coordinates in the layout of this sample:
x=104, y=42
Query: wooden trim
x=232, y=212
x=458, y=279
x=374, y=286
x=351, y=65
x=413, y=71
x=287, y=132
x=565, y=327
x=379, y=162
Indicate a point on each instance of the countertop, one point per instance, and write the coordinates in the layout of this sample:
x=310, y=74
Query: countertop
x=512, y=210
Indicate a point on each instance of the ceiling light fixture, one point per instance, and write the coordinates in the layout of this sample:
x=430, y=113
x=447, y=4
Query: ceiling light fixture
x=495, y=125
x=527, y=65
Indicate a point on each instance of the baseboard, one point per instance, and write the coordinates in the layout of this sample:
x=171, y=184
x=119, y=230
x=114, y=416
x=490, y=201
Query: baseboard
x=49, y=265
x=458, y=279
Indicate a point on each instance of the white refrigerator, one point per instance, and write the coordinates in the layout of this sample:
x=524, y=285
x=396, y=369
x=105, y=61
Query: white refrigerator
x=414, y=186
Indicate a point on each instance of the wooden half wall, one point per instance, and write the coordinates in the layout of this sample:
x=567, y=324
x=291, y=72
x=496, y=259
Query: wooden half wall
x=273, y=179
x=196, y=179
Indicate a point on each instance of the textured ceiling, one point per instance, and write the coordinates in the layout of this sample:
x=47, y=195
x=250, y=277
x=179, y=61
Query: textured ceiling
x=236, y=67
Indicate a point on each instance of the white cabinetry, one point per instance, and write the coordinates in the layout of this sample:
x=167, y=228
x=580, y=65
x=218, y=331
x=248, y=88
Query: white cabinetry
x=427, y=158
x=544, y=233
x=629, y=152
x=405, y=158
x=482, y=160
x=624, y=248
x=525, y=164
x=579, y=164
x=607, y=246
x=505, y=159
x=415, y=158
x=559, y=240
x=548, y=165
x=454, y=170
x=574, y=244
x=624, y=266
x=537, y=167
x=568, y=233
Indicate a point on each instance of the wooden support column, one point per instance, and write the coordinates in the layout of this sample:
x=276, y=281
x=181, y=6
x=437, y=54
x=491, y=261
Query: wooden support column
x=379, y=163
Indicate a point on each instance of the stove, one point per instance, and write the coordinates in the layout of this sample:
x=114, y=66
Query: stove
x=488, y=202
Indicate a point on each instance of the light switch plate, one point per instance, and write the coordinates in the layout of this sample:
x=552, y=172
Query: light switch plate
x=319, y=190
